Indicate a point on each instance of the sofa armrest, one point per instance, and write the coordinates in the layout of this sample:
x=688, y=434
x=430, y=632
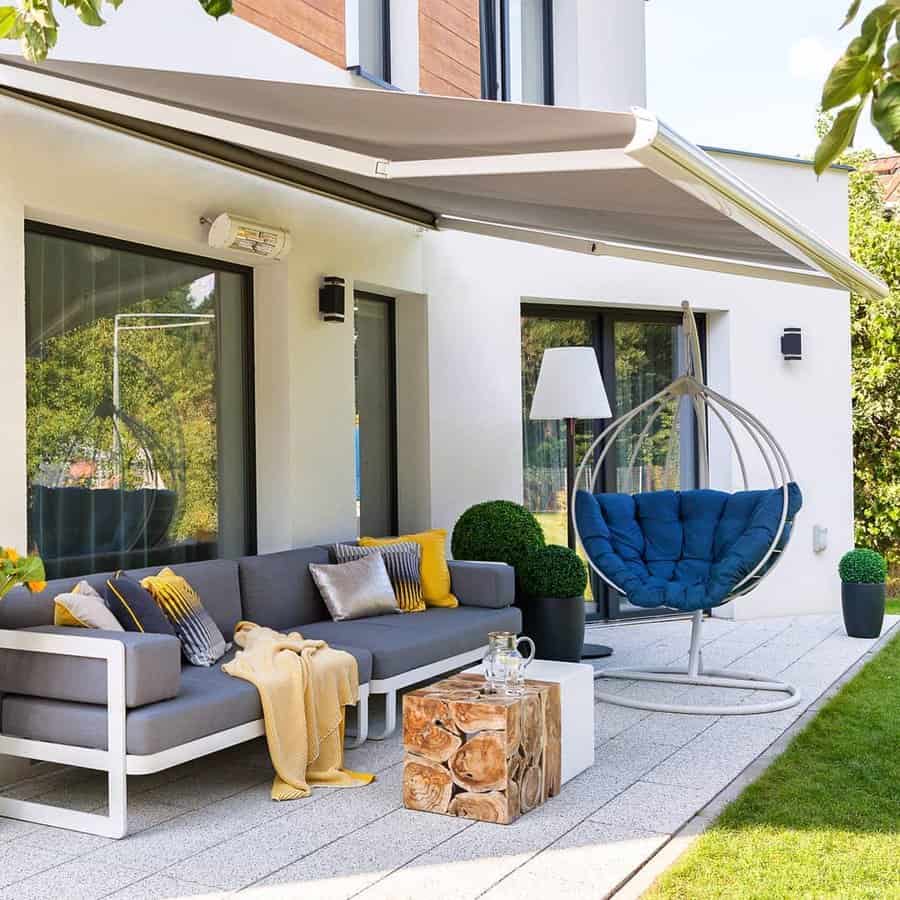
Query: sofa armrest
x=491, y=585
x=152, y=668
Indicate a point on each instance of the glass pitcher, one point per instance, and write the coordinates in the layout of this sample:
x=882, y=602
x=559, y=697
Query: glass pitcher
x=504, y=666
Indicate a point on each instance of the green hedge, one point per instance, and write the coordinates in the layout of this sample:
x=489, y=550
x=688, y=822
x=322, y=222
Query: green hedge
x=553, y=571
x=497, y=531
x=861, y=566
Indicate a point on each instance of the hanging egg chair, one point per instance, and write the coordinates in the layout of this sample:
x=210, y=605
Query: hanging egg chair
x=688, y=551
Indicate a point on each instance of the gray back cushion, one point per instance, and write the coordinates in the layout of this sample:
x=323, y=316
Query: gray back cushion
x=21, y=609
x=215, y=580
x=278, y=590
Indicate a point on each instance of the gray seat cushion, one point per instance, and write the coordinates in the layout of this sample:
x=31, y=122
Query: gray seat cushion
x=277, y=589
x=152, y=669
x=215, y=580
x=209, y=701
x=411, y=640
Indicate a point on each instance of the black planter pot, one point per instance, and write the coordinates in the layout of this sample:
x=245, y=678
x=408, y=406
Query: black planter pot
x=556, y=625
x=863, y=606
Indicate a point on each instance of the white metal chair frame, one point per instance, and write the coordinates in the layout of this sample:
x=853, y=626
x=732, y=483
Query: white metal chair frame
x=689, y=387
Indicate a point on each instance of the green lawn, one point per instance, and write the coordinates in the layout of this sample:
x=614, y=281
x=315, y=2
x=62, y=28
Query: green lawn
x=893, y=606
x=824, y=820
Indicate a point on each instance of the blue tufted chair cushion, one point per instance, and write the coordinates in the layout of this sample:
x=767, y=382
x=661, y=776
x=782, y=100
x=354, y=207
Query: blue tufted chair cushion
x=682, y=549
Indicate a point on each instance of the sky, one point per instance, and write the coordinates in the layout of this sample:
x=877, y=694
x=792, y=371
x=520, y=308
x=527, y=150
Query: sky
x=747, y=76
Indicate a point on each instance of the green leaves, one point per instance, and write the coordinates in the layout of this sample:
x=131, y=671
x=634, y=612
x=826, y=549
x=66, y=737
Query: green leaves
x=867, y=69
x=850, y=77
x=886, y=112
x=217, y=8
x=851, y=13
x=838, y=138
x=33, y=23
x=89, y=12
x=8, y=19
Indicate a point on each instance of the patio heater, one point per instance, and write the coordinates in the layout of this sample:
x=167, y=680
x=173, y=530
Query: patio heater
x=570, y=387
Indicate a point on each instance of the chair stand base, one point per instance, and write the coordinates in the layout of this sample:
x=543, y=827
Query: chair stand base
x=696, y=676
x=719, y=678
x=596, y=651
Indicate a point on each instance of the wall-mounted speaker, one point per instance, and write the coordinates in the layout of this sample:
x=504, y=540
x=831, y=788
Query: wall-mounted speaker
x=331, y=299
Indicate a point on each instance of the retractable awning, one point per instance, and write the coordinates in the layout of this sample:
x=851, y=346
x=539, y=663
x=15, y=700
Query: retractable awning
x=603, y=183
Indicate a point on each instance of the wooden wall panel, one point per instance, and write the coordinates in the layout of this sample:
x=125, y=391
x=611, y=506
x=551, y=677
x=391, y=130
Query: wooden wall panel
x=315, y=25
x=449, y=48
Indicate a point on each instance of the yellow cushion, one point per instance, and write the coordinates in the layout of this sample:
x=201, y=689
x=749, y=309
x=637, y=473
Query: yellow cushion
x=83, y=607
x=434, y=569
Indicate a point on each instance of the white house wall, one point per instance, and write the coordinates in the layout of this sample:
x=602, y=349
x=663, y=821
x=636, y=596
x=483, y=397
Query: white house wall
x=114, y=185
x=476, y=287
x=459, y=300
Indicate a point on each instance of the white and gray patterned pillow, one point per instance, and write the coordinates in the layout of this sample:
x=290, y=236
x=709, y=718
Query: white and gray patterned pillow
x=403, y=563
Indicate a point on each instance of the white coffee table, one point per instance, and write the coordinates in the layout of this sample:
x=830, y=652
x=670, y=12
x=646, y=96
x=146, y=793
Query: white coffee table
x=576, y=687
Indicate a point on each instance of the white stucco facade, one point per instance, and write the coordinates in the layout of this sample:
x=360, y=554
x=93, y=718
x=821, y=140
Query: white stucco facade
x=458, y=338
x=458, y=301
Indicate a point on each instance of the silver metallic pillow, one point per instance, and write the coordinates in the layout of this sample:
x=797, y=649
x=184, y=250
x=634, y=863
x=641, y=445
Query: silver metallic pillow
x=352, y=590
x=403, y=562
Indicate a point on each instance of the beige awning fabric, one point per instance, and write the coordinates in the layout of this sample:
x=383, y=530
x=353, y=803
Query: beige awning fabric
x=604, y=183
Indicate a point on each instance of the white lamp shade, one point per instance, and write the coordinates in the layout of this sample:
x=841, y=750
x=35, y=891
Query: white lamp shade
x=569, y=386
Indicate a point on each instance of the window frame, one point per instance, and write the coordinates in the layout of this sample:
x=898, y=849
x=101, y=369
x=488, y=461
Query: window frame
x=251, y=525
x=383, y=80
x=390, y=304
x=495, y=43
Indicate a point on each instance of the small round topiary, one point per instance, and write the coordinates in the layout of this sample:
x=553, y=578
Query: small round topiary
x=553, y=571
x=497, y=531
x=861, y=566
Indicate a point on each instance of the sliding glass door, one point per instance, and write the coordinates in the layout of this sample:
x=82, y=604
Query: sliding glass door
x=638, y=353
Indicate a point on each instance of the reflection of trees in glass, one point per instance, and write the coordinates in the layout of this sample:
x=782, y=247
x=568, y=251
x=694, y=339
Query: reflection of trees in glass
x=646, y=361
x=167, y=379
x=545, y=441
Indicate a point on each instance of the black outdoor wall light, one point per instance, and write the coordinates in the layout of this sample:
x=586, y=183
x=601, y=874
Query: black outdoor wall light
x=331, y=299
x=792, y=343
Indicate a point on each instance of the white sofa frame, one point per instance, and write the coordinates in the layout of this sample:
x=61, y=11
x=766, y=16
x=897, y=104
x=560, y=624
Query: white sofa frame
x=389, y=686
x=115, y=760
x=119, y=764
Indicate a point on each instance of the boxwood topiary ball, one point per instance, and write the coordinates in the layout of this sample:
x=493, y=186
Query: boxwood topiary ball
x=861, y=566
x=553, y=571
x=496, y=531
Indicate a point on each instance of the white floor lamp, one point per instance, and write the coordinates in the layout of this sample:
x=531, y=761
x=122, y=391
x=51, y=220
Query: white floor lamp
x=570, y=387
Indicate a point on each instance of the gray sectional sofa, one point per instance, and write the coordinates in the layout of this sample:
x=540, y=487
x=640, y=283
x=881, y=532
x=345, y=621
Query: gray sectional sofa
x=125, y=703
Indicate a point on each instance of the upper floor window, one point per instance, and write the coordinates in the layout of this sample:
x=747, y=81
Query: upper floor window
x=517, y=50
x=375, y=38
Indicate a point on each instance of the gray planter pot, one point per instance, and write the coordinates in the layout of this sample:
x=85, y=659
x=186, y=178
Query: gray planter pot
x=863, y=607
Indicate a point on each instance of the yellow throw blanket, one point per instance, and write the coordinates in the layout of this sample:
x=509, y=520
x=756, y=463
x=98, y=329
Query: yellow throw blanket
x=303, y=687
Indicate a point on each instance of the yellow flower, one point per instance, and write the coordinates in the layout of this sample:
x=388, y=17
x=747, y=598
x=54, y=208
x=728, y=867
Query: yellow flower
x=11, y=554
x=36, y=586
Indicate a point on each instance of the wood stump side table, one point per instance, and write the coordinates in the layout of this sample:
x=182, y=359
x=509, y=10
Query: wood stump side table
x=490, y=757
x=576, y=691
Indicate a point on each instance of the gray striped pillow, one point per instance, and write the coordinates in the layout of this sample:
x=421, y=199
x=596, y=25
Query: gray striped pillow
x=402, y=562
